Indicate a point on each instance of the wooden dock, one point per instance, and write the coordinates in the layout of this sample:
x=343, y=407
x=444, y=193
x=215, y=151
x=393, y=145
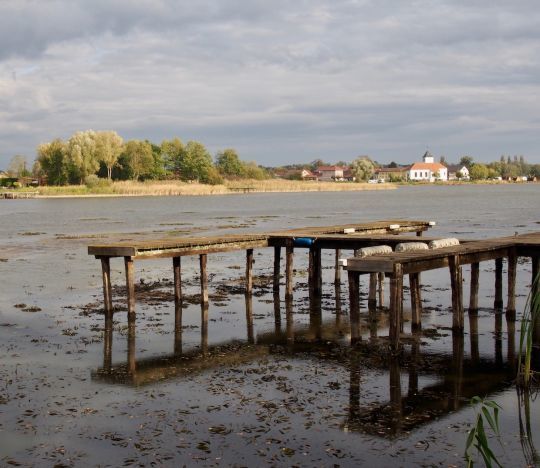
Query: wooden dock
x=202, y=246
x=18, y=195
x=397, y=264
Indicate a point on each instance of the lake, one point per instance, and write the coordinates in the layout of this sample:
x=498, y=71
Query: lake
x=286, y=390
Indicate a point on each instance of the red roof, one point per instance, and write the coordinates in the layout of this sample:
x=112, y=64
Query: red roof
x=331, y=168
x=433, y=167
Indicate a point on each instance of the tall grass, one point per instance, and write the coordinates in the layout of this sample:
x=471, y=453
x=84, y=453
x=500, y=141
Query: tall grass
x=529, y=323
x=532, y=456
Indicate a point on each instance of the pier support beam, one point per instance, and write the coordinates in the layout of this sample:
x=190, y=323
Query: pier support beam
x=204, y=279
x=289, y=254
x=130, y=287
x=512, y=265
x=337, y=270
x=372, y=294
x=498, y=303
x=456, y=281
x=315, y=271
x=249, y=272
x=107, y=291
x=475, y=276
x=177, y=273
x=396, y=305
x=277, y=267
x=416, y=305
x=354, y=300
x=381, y=289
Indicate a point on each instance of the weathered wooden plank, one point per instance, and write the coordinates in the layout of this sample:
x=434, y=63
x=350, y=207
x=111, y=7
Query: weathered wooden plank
x=396, y=287
x=289, y=256
x=130, y=286
x=249, y=271
x=337, y=268
x=457, y=292
x=416, y=305
x=107, y=291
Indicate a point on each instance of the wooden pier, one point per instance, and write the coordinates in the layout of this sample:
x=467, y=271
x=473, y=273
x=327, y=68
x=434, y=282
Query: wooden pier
x=17, y=195
x=396, y=265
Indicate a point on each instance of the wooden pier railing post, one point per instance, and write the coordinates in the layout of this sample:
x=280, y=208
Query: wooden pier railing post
x=130, y=287
x=249, y=272
x=416, y=306
x=337, y=268
x=512, y=265
x=289, y=271
x=354, y=301
x=204, y=279
x=177, y=274
x=396, y=304
x=372, y=293
x=498, y=303
x=277, y=267
x=475, y=276
x=107, y=291
x=456, y=281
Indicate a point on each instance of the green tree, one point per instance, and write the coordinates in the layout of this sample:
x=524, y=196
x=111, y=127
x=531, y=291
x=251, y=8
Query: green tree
x=362, y=168
x=228, y=163
x=173, y=153
x=17, y=166
x=478, y=171
x=466, y=161
x=197, y=162
x=138, y=159
x=253, y=171
x=109, y=147
x=82, y=155
x=53, y=161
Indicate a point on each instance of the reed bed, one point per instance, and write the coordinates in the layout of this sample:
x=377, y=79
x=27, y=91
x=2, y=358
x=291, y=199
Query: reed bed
x=179, y=188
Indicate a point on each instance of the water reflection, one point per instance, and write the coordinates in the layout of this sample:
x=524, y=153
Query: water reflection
x=421, y=384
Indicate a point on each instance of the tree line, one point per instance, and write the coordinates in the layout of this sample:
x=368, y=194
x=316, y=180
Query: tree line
x=89, y=154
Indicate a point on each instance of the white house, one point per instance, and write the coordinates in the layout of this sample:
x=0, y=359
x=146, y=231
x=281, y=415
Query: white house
x=331, y=173
x=454, y=170
x=428, y=170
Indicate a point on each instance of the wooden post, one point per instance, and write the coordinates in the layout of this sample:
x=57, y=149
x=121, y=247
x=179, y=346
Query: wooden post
x=107, y=291
x=277, y=267
x=289, y=254
x=315, y=271
x=289, y=320
x=130, y=287
x=381, y=289
x=416, y=307
x=107, y=349
x=473, y=333
x=337, y=270
x=396, y=405
x=177, y=273
x=204, y=279
x=498, y=303
x=354, y=300
x=419, y=233
x=396, y=294
x=249, y=319
x=456, y=281
x=131, y=362
x=277, y=310
x=372, y=294
x=498, y=338
x=475, y=275
x=249, y=272
x=512, y=266
x=204, y=327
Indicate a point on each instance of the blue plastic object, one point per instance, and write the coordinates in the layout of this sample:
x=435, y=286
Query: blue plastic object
x=303, y=241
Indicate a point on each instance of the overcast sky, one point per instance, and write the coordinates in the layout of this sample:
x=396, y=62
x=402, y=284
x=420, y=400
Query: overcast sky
x=280, y=81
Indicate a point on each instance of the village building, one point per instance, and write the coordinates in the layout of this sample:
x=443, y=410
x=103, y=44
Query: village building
x=456, y=171
x=428, y=170
x=390, y=174
x=331, y=173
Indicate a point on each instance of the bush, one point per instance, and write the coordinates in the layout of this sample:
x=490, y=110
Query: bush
x=94, y=182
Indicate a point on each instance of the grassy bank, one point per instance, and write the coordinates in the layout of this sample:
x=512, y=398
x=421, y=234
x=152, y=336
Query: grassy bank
x=170, y=188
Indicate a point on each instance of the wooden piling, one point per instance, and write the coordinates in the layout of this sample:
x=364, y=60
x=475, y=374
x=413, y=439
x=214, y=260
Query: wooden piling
x=354, y=298
x=473, y=300
x=249, y=272
x=204, y=279
x=396, y=303
x=107, y=291
x=315, y=271
x=277, y=267
x=130, y=287
x=337, y=268
x=177, y=274
x=277, y=310
x=249, y=319
x=473, y=334
x=289, y=254
x=381, y=289
x=204, y=328
x=107, y=349
x=512, y=265
x=456, y=281
x=416, y=306
x=498, y=302
x=372, y=294
x=131, y=361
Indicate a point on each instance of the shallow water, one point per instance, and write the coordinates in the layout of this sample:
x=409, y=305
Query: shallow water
x=278, y=392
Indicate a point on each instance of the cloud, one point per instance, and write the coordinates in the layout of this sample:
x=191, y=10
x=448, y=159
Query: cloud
x=280, y=81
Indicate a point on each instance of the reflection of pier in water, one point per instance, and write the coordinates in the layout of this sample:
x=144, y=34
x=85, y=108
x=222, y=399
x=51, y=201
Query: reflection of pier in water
x=458, y=376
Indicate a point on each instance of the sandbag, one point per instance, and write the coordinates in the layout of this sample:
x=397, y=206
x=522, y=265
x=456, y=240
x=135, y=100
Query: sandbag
x=440, y=243
x=411, y=246
x=375, y=250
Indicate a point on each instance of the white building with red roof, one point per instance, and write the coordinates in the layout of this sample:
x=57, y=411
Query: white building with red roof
x=428, y=170
x=331, y=173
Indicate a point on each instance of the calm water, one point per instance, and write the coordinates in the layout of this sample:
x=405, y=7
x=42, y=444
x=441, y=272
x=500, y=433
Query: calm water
x=280, y=392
